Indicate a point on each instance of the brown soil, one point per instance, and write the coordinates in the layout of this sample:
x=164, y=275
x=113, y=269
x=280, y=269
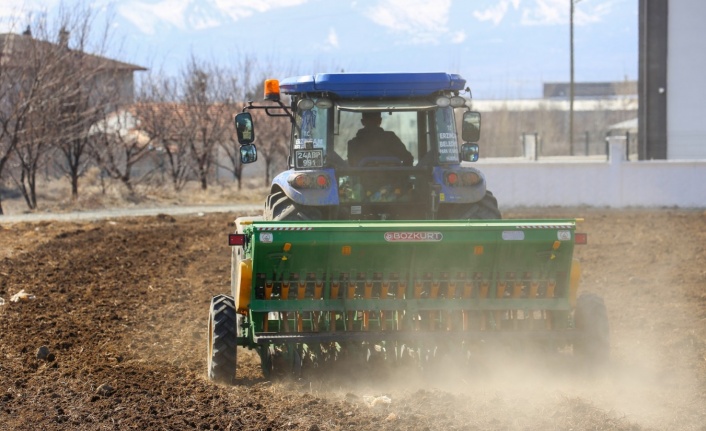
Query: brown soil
x=124, y=304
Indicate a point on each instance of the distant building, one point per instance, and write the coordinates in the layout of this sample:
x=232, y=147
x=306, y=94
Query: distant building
x=672, y=88
x=590, y=90
x=17, y=52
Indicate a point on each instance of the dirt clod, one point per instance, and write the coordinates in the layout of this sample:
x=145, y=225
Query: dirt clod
x=43, y=353
x=105, y=390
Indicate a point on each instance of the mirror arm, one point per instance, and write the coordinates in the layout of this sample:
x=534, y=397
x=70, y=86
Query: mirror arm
x=272, y=111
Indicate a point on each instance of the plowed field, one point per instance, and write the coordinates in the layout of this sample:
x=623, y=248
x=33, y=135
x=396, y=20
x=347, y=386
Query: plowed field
x=121, y=308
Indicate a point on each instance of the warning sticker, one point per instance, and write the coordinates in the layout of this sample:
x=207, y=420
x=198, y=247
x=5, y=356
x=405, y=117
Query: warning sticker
x=564, y=235
x=513, y=235
x=413, y=236
x=266, y=237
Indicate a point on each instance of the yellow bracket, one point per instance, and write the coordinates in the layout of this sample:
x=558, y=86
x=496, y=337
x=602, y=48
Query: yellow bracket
x=243, y=285
x=574, y=278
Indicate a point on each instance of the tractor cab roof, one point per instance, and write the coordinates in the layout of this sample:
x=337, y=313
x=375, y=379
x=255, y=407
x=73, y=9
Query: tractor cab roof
x=372, y=85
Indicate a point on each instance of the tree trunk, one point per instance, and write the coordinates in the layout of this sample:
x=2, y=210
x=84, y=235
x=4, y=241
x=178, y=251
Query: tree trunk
x=128, y=184
x=203, y=173
x=32, y=181
x=268, y=163
x=23, y=189
x=74, y=187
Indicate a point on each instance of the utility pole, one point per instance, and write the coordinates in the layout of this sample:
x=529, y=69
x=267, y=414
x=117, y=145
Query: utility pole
x=571, y=77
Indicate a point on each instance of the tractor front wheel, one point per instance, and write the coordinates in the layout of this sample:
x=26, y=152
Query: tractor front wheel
x=222, y=339
x=591, y=320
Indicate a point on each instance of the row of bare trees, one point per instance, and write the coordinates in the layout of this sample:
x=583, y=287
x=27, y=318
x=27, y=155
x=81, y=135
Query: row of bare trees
x=63, y=110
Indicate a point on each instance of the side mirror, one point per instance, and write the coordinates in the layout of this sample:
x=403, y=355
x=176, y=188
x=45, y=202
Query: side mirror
x=248, y=154
x=470, y=130
x=244, y=128
x=469, y=152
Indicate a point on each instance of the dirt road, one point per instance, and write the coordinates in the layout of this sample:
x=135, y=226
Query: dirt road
x=121, y=308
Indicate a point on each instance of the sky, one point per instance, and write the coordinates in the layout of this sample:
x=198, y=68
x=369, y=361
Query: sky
x=504, y=48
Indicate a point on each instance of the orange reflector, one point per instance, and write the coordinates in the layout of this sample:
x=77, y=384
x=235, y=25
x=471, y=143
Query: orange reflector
x=346, y=250
x=581, y=238
x=556, y=245
x=236, y=239
x=470, y=178
x=300, y=181
x=287, y=246
x=272, y=89
x=478, y=250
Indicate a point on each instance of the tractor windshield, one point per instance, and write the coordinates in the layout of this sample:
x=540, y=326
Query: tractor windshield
x=427, y=132
x=416, y=134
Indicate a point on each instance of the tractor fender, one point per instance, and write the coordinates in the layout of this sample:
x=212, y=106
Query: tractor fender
x=308, y=197
x=459, y=195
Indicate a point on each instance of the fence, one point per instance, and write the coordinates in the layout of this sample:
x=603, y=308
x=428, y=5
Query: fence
x=586, y=144
x=597, y=182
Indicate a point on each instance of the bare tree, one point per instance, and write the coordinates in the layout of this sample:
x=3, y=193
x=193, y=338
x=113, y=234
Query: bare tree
x=93, y=86
x=204, y=115
x=55, y=93
x=231, y=148
x=118, y=144
x=30, y=155
x=14, y=112
x=240, y=86
x=25, y=77
x=272, y=140
x=157, y=114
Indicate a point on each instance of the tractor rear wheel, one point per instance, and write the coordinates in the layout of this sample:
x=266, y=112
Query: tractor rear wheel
x=279, y=207
x=484, y=209
x=222, y=339
x=591, y=320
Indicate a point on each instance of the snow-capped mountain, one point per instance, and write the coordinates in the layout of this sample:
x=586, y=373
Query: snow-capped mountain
x=505, y=48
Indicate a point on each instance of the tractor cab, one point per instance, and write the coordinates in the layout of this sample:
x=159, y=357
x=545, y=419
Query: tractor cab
x=374, y=146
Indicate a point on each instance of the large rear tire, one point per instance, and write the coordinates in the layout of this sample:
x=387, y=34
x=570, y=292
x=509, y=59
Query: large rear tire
x=223, y=324
x=484, y=209
x=279, y=207
x=591, y=320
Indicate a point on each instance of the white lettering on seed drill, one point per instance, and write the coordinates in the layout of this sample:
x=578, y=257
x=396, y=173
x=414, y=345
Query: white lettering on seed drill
x=513, y=235
x=266, y=237
x=564, y=235
x=413, y=236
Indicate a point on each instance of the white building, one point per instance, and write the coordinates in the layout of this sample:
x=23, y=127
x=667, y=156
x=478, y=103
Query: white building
x=672, y=88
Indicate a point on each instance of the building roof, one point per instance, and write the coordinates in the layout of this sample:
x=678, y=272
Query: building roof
x=14, y=49
x=629, y=125
x=595, y=104
x=593, y=90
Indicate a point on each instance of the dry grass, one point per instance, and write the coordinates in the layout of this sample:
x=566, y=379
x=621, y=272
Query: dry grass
x=94, y=194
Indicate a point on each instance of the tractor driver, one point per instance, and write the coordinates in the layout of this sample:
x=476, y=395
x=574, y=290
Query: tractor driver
x=373, y=141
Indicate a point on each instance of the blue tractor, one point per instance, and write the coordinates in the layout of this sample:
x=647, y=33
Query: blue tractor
x=373, y=146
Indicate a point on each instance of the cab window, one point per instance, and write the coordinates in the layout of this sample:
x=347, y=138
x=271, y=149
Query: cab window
x=310, y=129
x=446, y=135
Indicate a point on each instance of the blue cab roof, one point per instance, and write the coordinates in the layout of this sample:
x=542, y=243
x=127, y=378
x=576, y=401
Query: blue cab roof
x=363, y=85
